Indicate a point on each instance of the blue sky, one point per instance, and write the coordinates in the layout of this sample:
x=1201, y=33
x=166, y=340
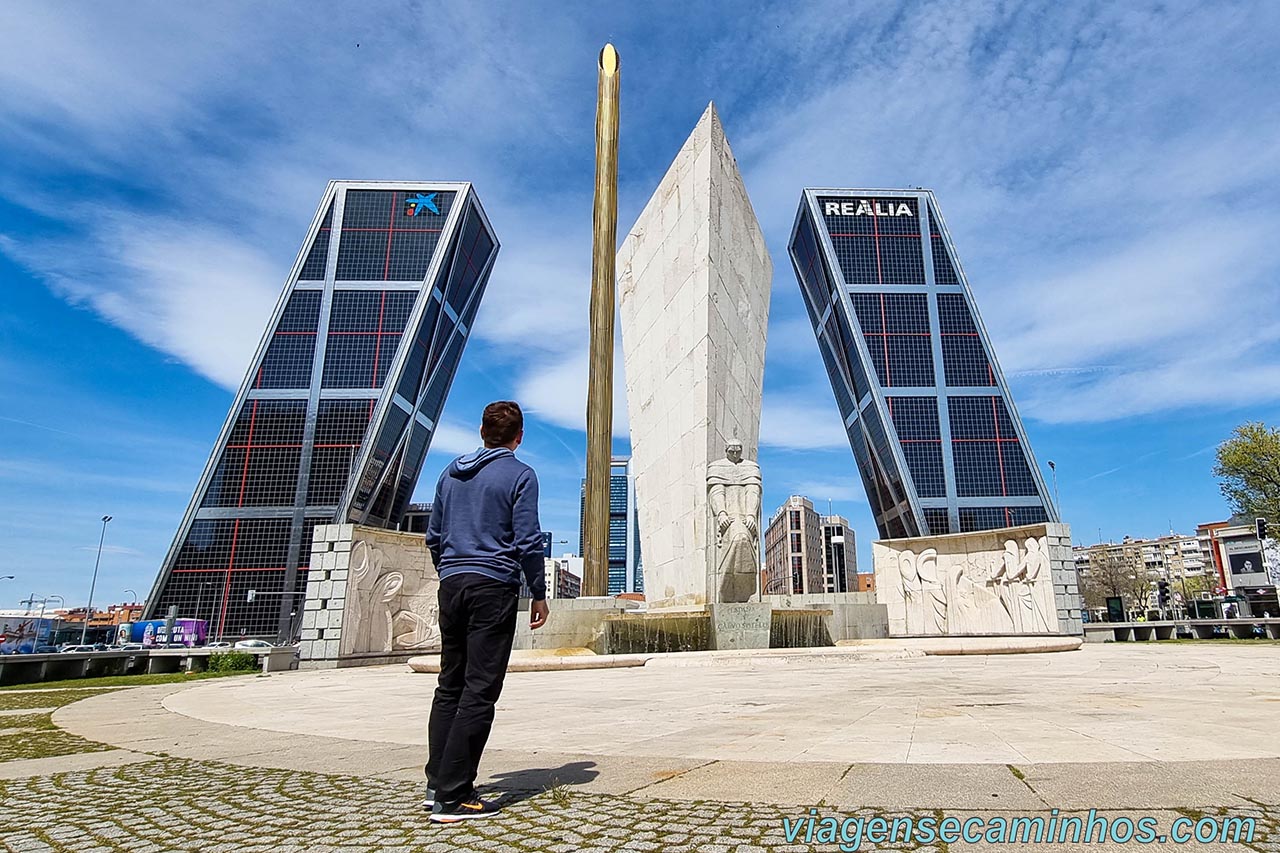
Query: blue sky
x=1108, y=171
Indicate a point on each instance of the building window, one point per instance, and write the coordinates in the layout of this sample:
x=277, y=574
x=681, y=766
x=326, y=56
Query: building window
x=896, y=328
x=880, y=245
x=916, y=422
x=964, y=360
x=387, y=237
x=988, y=456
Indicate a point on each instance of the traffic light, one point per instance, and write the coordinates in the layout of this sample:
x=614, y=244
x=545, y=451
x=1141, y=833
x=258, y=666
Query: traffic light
x=1162, y=592
x=1261, y=525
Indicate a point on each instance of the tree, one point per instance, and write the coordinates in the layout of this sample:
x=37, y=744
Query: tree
x=1249, y=468
x=1112, y=580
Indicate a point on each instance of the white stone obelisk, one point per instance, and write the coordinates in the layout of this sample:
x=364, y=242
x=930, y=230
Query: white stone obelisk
x=694, y=278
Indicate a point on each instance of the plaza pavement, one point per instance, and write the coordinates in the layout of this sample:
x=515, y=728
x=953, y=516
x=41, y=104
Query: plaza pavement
x=667, y=757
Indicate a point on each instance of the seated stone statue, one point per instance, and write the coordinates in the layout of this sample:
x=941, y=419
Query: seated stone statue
x=734, y=493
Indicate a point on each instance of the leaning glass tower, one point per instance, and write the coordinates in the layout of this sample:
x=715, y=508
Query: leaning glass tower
x=335, y=415
x=937, y=440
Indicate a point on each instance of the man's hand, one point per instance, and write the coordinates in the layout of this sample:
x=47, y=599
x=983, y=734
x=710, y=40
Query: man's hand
x=538, y=614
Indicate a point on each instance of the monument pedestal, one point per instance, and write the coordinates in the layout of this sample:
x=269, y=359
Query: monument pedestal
x=572, y=623
x=694, y=280
x=1013, y=580
x=371, y=598
x=740, y=626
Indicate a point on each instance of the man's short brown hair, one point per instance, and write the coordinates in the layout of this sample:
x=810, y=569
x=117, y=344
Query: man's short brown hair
x=501, y=423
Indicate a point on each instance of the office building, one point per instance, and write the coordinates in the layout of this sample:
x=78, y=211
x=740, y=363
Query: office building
x=793, y=560
x=625, y=568
x=1249, y=567
x=934, y=432
x=839, y=555
x=336, y=412
x=564, y=576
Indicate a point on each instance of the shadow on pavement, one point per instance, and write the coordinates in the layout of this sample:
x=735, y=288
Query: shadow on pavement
x=520, y=785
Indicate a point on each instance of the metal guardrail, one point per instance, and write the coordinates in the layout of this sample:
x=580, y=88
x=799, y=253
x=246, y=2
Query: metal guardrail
x=1241, y=628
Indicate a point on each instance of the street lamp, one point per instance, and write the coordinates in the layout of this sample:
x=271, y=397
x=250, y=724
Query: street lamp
x=134, y=594
x=44, y=601
x=1053, y=471
x=200, y=596
x=88, y=610
x=6, y=577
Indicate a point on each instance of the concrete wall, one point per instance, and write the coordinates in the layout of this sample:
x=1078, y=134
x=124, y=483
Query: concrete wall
x=1066, y=589
x=573, y=623
x=854, y=615
x=371, y=597
x=1018, y=580
x=694, y=278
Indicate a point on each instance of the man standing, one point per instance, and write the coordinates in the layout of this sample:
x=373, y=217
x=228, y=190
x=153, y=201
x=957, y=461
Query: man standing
x=483, y=534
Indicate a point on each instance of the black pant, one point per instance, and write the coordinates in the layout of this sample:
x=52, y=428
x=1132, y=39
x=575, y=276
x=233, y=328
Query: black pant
x=477, y=627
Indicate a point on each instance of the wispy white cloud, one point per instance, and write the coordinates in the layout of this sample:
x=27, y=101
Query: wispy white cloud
x=1104, y=186
x=1107, y=225
x=848, y=490
x=454, y=438
x=556, y=391
x=198, y=293
x=798, y=421
x=117, y=550
x=34, y=471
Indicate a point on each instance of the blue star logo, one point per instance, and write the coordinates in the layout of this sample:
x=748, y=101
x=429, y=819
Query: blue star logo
x=419, y=203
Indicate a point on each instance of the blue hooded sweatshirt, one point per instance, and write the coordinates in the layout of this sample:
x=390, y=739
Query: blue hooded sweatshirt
x=485, y=520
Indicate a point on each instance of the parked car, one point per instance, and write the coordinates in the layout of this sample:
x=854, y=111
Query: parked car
x=78, y=648
x=220, y=644
x=131, y=647
x=253, y=646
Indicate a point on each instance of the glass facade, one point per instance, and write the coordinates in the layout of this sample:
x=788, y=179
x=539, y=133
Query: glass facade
x=626, y=572
x=937, y=441
x=336, y=414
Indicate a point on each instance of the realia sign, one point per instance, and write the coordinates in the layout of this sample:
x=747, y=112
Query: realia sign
x=867, y=207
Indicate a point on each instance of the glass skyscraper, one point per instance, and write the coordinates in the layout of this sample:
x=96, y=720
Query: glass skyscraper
x=934, y=431
x=625, y=571
x=335, y=415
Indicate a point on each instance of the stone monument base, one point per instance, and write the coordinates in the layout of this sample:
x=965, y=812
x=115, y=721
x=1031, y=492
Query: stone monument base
x=619, y=627
x=1008, y=581
x=740, y=626
x=571, y=623
x=370, y=598
x=848, y=615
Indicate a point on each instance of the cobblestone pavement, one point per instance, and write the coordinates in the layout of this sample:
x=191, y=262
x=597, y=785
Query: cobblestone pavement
x=165, y=803
x=177, y=804
x=171, y=804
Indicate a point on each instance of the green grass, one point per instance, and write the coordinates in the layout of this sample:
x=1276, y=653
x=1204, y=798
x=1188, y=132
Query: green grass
x=43, y=698
x=26, y=721
x=45, y=744
x=118, y=681
x=26, y=736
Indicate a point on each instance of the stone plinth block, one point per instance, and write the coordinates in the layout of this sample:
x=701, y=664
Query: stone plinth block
x=571, y=623
x=694, y=278
x=740, y=626
x=854, y=615
x=385, y=604
x=988, y=582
